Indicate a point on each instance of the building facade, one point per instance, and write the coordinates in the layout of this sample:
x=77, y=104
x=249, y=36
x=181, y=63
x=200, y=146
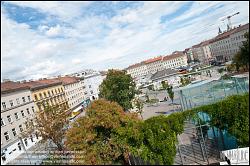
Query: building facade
x=140, y=70
x=74, y=91
x=48, y=91
x=91, y=84
x=17, y=106
x=175, y=60
x=189, y=53
x=224, y=46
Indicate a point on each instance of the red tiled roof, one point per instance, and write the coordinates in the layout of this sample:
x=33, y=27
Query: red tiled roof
x=68, y=80
x=135, y=65
x=39, y=84
x=153, y=60
x=173, y=55
x=10, y=86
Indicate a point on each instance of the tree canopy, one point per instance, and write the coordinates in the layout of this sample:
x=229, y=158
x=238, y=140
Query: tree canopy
x=96, y=134
x=241, y=58
x=118, y=87
x=51, y=125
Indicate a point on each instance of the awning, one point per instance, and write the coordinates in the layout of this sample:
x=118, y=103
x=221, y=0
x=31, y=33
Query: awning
x=77, y=109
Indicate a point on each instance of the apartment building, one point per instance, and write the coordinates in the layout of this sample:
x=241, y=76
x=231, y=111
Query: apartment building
x=175, y=60
x=91, y=84
x=151, y=66
x=74, y=91
x=48, y=91
x=224, y=46
x=138, y=69
x=17, y=106
x=189, y=53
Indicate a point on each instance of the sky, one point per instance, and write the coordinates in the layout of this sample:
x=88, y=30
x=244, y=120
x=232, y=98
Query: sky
x=43, y=39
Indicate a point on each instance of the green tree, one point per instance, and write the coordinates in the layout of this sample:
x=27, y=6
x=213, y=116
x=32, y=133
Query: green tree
x=241, y=58
x=118, y=87
x=170, y=93
x=97, y=134
x=164, y=85
x=220, y=70
x=139, y=106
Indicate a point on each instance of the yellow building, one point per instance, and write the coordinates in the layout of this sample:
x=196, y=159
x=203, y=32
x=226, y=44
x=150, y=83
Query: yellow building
x=48, y=91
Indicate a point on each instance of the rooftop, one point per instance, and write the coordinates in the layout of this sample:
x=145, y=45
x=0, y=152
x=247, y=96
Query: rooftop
x=163, y=73
x=159, y=58
x=10, y=86
x=68, y=80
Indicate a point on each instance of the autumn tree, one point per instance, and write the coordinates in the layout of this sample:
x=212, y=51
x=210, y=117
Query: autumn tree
x=97, y=134
x=118, y=87
x=51, y=125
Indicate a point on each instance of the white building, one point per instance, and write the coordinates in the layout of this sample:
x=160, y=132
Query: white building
x=175, y=60
x=16, y=107
x=226, y=45
x=140, y=70
x=92, y=83
x=74, y=91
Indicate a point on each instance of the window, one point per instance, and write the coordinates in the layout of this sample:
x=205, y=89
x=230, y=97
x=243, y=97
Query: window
x=19, y=146
x=16, y=115
x=11, y=103
x=22, y=113
x=28, y=111
x=3, y=157
x=36, y=97
x=21, y=128
x=58, y=90
x=4, y=105
x=48, y=93
x=61, y=89
x=26, y=142
x=89, y=86
x=31, y=138
x=52, y=92
x=44, y=94
x=17, y=101
x=26, y=124
x=6, y=135
x=29, y=98
x=2, y=122
x=23, y=99
x=40, y=95
x=14, y=132
x=33, y=109
x=9, y=118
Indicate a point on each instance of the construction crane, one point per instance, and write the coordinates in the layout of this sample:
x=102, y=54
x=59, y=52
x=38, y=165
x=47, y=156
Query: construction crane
x=229, y=20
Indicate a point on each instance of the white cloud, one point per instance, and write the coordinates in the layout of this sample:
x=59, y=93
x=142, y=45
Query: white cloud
x=54, y=31
x=100, y=42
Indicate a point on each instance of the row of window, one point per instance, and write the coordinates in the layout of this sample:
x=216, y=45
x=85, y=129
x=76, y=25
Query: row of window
x=3, y=155
x=51, y=102
x=71, y=86
x=49, y=93
x=13, y=103
x=16, y=115
x=76, y=102
x=74, y=91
